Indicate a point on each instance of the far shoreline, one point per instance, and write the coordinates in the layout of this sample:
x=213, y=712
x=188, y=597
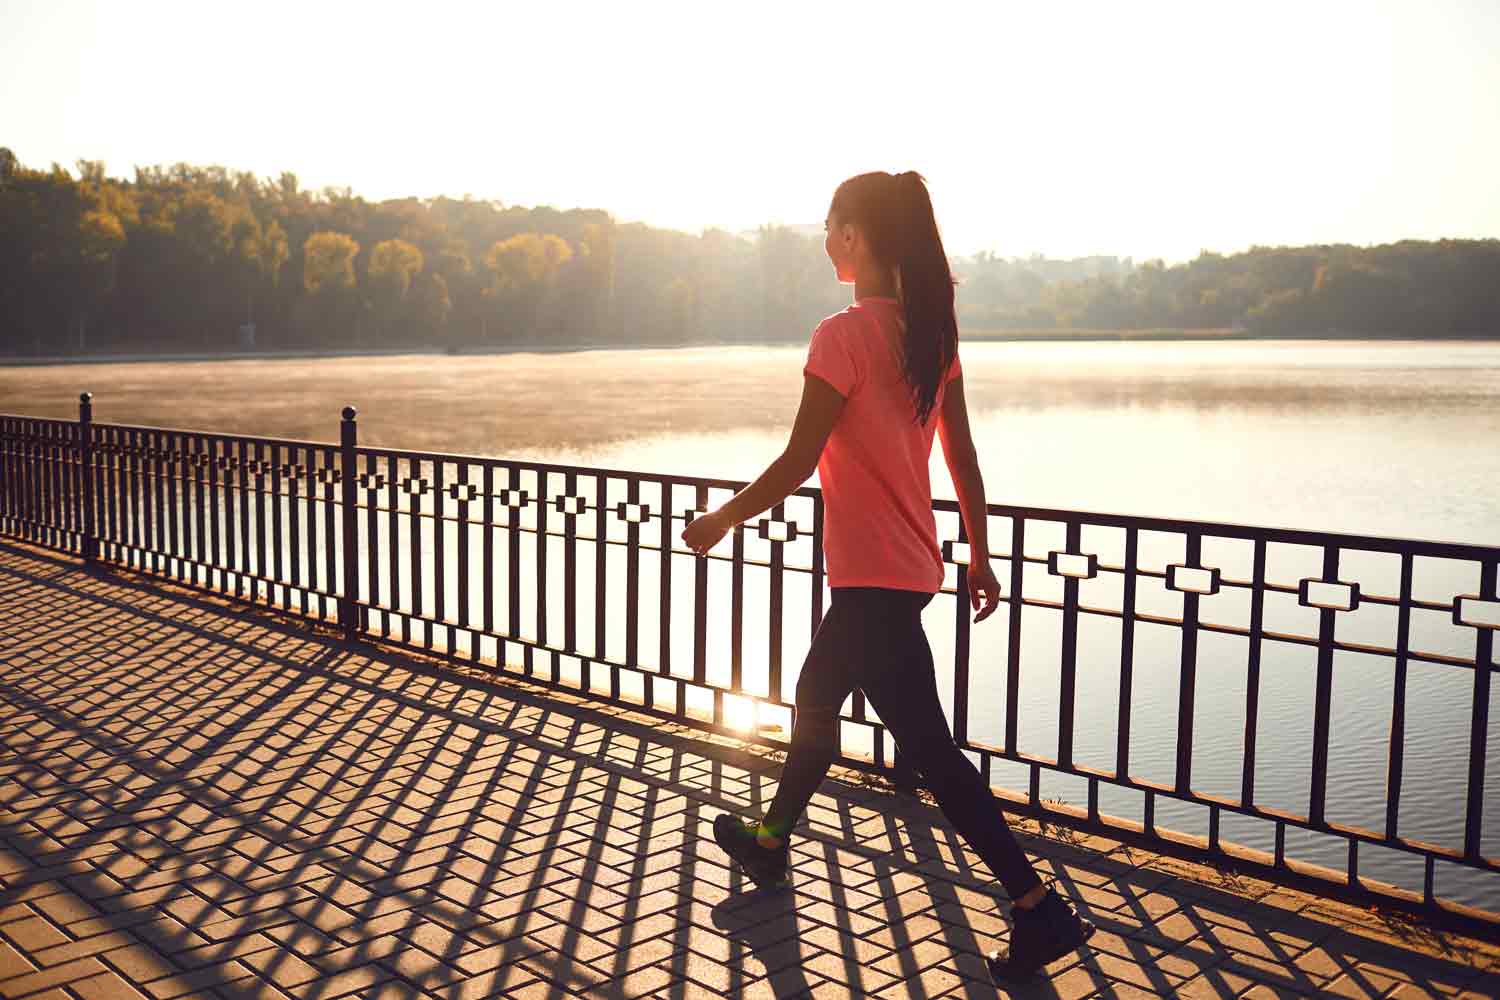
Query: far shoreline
x=976, y=336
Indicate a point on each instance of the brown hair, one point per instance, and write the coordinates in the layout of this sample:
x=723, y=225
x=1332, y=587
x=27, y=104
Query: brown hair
x=895, y=214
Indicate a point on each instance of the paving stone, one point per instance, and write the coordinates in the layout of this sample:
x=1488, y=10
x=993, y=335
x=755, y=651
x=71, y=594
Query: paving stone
x=212, y=803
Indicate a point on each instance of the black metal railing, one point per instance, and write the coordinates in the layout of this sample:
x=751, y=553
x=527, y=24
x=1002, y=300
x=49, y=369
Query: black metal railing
x=458, y=555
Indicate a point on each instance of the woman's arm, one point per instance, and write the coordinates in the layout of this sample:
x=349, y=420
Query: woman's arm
x=818, y=412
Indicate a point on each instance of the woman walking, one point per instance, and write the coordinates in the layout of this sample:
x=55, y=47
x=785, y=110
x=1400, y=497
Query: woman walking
x=881, y=377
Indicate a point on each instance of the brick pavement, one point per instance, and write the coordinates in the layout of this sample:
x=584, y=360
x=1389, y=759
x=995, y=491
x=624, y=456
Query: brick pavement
x=199, y=799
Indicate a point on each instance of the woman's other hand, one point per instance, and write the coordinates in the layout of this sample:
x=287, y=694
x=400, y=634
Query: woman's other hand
x=983, y=587
x=704, y=532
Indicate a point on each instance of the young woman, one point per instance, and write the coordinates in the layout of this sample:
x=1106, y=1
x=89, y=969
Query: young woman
x=877, y=374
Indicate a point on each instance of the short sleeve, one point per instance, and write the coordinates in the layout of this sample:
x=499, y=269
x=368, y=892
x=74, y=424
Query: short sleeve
x=829, y=358
x=954, y=370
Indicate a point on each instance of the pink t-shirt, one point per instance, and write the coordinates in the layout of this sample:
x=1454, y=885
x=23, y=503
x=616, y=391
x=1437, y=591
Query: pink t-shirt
x=878, y=530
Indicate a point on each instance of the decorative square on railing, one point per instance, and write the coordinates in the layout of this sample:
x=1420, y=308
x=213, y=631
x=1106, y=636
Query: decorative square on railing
x=293, y=471
x=327, y=474
x=955, y=551
x=413, y=486
x=1476, y=611
x=514, y=498
x=1082, y=565
x=633, y=513
x=1336, y=594
x=462, y=492
x=776, y=531
x=372, y=480
x=256, y=467
x=570, y=505
x=1199, y=579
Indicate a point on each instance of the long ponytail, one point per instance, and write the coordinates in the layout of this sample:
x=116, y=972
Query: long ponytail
x=895, y=213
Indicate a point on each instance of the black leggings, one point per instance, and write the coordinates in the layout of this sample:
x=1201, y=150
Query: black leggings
x=872, y=638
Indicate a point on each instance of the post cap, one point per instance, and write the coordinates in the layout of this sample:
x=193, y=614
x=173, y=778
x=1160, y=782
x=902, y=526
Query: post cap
x=349, y=412
x=84, y=397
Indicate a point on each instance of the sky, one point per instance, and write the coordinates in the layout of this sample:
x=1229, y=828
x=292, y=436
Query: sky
x=1145, y=129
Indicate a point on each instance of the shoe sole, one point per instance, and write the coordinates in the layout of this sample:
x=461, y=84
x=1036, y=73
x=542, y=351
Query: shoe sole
x=771, y=884
x=999, y=979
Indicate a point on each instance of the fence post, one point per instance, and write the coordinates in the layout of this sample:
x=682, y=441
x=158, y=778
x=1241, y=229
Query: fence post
x=348, y=604
x=86, y=462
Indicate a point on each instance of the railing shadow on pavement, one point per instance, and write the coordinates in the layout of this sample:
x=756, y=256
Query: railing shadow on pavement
x=243, y=793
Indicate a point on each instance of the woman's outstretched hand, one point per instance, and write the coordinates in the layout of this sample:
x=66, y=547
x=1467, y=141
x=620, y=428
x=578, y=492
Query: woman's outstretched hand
x=983, y=586
x=705, y=531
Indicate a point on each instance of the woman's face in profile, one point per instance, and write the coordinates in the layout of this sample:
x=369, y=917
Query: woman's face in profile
x=839, y=244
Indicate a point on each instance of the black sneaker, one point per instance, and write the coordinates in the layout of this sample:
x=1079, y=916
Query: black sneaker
x=1042, y=934
x=766, y=866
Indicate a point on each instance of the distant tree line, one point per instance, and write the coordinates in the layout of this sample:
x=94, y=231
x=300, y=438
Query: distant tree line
x=187, y=258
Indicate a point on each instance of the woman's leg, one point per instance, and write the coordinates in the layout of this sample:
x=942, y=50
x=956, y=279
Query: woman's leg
x=901, y=685
x=837, y=648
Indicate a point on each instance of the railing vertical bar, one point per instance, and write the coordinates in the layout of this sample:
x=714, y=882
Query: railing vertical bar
x=114, y=488
x=774, y=639
x=294, y=524
x=39, y=469
x=489, y=548
x=372, y=534
x=817, y=564
x=231, y=519
x=151, y=501
x=1323, y=697
x=737, y=610
x=1479, y=720
x=1127, y=653
x=8, y=481
x=153, y=510
x=332, y=533
x=664, y=605
x=1068, y=668
x=56, y=531
x=570, y=565
x=1252, y=672
x=71, y=512
x=439, y=555
x=307, y=500
x=278, y=535
x=541, y=556
x=214, y=543
x=1188, y=674
x=463, y=545
x=601, y=571
x=173, y=464
x=1013, y=651
x=513, y=560
x=262, y=567
x=242, y=454
x=440, y=546
x=961, y=611
x=201, y=461
x=1397, y=748
x=349, y=521
x=36, y=483
x=414, y=546
x=393, y=548
x=700, y=609
x=90, y=480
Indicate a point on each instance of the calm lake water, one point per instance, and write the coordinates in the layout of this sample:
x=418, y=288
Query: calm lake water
x=1390, y=438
